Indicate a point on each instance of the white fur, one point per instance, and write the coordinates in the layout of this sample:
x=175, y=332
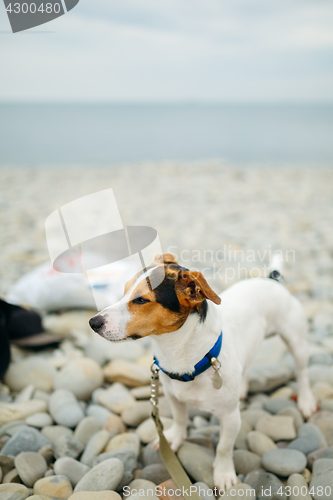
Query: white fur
x=250, y=310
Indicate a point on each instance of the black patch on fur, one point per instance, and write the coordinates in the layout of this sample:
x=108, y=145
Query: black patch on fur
x=203, y=310
x=276, y=276
x=165, y=295
x=134, y=336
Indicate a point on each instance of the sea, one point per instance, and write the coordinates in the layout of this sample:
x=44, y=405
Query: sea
x=106, y=133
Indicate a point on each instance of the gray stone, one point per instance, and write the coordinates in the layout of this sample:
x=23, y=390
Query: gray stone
x=324, y=420
x=240, y=491
x=32, y=370
x=104, y=476
x=284, y=462
x=268, y=487
x=321, y=453
x=39, y=420
x=56, y=487
x=136, y=413
x=55, y=432
x=277, y=427
x=157, y=473
x=321, y=358
x=80, y=376
x=198, y=462
x=151, y=456
x=294, y=412
x=12, y=491
x=298, y=488
x=252, y=416
x=71, y=468
x=143, y=488
x=87, y=428
x=68, y=446
x=27, y=439
x=6, y=463
x=128, y=440
x=246, y=461
x=259, y=443
x=64, y=408
x=322, y=477
x=267, y=376
x=321, y=373
x=128, y=457
x=277, y=404
x=241, y=439
x=116, y=398
x=95, y=446
x=204, y=491
x=309, y=439
x=326, y=404
x=99, y=412
x=30, y=467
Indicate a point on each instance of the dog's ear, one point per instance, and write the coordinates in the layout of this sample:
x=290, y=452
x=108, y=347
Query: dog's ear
x=193, y=288
x=166, y=258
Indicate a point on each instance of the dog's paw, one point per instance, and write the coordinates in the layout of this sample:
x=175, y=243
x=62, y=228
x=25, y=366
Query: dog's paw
x=307, y=404
x=175, y=436
x=224, y=480
x=224, y=474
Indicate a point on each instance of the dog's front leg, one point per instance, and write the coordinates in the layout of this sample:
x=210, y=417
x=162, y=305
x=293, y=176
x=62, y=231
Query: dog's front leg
x=224, y=469
x=176, y=434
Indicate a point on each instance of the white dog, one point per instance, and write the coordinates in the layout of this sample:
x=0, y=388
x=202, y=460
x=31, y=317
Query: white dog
x=185, y=319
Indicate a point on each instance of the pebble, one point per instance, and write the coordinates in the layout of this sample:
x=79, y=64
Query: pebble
x=321, y=373
x=321, y=358
x=39, y=420
x=283, y=392
x=324, y=420
x=99, y=412
x=87, y=428
x=246, y=461
x=95, y=495
x=321, y=453
x=326, y=404
x=157, y=473
x=30, y=467
x=298, y=488
x=128, y=457
x=198, y=462
x=322, y=390
x=126, y=372
x=55, y=432
x=95, y=446
x=27, y=439
x=116, y=398
x=126, y=441
x=241, y=440
x=57, y=487
x=284, y=462
x=80, y=376
x=275, y=405
x=104, y=476
x=253, y=416
x=259, y=443
x=12, y=477
x=143, y=392
x=267, y=376
x=13, y=492
x=114, y=424
x=6, y=463
x=277, y=427
x=239, y=492
x=294, y=412
x=203, y=490
x=68, y=446
x=309, y=439
x=32, y=370
x=151, y=456
x=136, y=413
x=10, y=412
x=71, y=468
x=147, y=431
x=25, y=394
x=266, y=485
x=322, y=477
x=64, y=408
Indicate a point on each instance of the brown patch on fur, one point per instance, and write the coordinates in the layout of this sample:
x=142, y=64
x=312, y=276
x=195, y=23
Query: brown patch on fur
x=184, y=289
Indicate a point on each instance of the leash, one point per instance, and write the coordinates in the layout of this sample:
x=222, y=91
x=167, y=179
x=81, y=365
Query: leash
x=170, y=459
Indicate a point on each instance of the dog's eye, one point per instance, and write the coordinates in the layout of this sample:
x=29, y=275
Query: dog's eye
x=140, y=300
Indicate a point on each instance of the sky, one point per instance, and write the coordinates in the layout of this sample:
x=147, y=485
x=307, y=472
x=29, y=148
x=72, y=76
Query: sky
x=173, y=50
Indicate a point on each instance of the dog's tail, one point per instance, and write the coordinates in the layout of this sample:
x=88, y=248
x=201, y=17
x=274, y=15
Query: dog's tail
x=276, y=268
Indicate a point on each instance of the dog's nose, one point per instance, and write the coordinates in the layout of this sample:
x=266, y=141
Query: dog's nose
x=96, y=323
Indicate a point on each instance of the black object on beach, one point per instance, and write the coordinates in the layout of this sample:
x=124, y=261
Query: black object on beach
x=20, y=326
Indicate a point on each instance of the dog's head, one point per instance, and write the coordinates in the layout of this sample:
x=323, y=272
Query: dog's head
x=146, y=309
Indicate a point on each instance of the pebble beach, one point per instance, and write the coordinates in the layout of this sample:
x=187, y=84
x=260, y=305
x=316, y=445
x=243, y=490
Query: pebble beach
x=75, y=419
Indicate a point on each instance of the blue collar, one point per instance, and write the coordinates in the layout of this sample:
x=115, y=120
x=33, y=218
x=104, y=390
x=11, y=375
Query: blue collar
x=200, y=367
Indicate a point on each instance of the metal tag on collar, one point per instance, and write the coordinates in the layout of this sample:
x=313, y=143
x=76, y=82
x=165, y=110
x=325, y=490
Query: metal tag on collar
x=217, y=379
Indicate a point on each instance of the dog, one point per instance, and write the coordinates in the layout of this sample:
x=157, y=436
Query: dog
x=187, y=320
